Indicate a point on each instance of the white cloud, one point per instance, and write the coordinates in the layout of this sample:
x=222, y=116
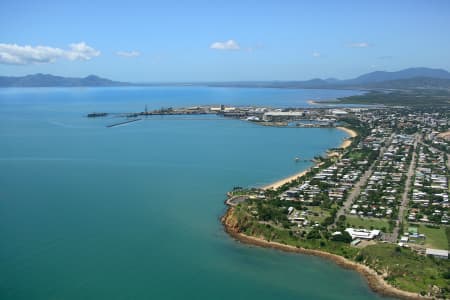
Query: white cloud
x=359, y=45
x=23, y=55
x=128, y=53
x=316, y=54
x=81, y=51
x=228, y=45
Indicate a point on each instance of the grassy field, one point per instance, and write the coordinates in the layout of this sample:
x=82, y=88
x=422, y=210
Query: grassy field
x=406, y=269
x=435, y=237
x=356, y=155
x=322, y=214
x=367, y=223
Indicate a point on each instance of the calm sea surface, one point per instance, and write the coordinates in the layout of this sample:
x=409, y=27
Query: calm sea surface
x=132, y=212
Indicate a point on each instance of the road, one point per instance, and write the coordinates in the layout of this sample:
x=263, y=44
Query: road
x=235, y=200
x=361, y=182
x=405, y=198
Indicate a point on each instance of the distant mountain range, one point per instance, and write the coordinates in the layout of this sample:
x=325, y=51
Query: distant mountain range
x=404, y=79
x=382, y=76
x=47, y=80
x=412, y=78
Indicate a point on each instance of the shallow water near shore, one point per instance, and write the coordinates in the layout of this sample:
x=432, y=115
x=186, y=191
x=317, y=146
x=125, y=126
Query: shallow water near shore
x=132, y=212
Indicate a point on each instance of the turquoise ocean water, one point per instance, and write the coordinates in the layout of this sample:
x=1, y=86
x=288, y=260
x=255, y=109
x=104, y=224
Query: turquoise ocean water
x=132, y=212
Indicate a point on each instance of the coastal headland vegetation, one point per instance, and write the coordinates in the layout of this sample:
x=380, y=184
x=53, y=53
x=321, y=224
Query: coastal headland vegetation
x=411, y=97
x=355, y=209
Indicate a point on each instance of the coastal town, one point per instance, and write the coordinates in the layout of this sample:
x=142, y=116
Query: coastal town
x=225, y=150
x=268, y=116
x=378, y=203
x=380, y=198
x=386, y=183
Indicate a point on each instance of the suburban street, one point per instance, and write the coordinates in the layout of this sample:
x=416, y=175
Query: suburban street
x=405, y=197
x=361, y=182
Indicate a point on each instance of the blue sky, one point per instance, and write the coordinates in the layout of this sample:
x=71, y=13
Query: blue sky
x=156, y=41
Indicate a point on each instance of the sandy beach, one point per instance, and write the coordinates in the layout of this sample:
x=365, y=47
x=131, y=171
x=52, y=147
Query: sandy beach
x=279, y=183
x=347, y=142
x=376, y=282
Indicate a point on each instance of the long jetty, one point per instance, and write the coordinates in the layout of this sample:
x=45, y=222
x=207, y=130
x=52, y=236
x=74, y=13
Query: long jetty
x=122, y=123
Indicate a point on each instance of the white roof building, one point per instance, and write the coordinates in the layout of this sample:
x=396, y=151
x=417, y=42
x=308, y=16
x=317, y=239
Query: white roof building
x=404, y=239
x=339, y=112
x=437, y=253
x=363, y=234
x=284, y=113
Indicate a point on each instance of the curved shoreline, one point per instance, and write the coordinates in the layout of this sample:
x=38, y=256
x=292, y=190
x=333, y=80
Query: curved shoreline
x=283, y=181
x=345, y=144
x=375, y=281
x=348, y=141
x=350, y=132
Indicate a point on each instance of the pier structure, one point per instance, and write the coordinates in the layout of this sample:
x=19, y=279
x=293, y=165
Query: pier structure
x=267, y=116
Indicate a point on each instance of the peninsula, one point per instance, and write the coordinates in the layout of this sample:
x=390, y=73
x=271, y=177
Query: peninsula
x=378, y=204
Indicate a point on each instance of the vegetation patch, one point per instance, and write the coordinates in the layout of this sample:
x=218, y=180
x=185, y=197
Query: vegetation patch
x=368, y=223
x=412, y=97
x=435, y=237
x=407, y=270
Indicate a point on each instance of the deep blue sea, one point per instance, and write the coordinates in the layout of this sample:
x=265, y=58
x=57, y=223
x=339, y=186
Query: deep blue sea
x=132, y=212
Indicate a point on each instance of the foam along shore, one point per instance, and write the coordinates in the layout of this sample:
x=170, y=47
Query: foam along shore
x=376, y=282
x=347, y=142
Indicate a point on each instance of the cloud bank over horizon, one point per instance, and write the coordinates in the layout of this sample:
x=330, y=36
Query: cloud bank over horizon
x=13, y=54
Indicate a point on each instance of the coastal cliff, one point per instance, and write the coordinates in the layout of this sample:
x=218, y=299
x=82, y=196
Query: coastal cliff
x=375, y=281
